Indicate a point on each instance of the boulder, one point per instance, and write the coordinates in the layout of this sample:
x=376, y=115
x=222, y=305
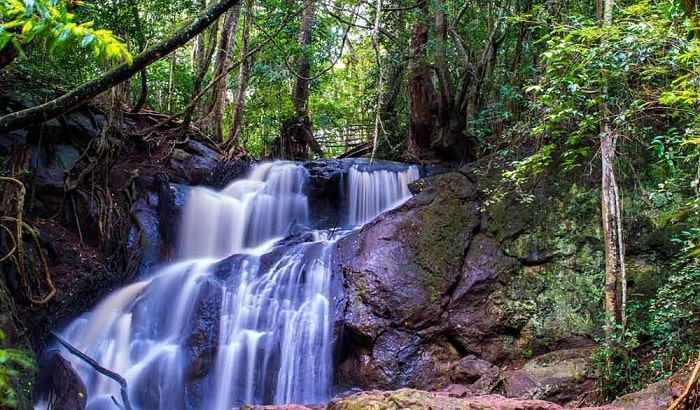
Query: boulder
x=423, y=289
x=561, y=376
x=61, y=384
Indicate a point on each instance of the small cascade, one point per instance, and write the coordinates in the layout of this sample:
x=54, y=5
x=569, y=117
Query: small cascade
x=375, y=189
x=246, y=213
x=242, y=318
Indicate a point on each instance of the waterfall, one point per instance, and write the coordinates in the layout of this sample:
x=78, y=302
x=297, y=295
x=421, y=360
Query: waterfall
x=373, y=190
x=242, y=318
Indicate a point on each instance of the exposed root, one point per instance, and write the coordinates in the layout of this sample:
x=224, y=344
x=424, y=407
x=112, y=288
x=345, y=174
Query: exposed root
x=688, y=387
x=17, y=253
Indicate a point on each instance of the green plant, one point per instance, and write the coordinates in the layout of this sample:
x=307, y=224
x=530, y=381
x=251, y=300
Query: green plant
x=50, y=23
x=10, y=361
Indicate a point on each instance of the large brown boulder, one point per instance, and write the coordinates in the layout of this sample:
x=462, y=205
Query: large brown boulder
x=424, y=285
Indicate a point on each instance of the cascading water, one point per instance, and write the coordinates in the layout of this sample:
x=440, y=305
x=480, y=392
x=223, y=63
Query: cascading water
x=252, y=328
x=372, y=190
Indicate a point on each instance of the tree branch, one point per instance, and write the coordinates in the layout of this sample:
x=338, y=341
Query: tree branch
x=89, y=360
x=118, y=74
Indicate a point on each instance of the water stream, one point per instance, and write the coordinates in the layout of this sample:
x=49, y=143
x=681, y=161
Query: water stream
x=241, y=318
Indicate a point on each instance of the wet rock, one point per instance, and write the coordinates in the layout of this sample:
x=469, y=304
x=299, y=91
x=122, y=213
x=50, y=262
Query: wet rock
x=61, y=384
x=228, y=171
x=402, y=265
x=195, y=168
x=144, y=239
x=201, y=343
x=326, y=191
x=481, y=375
x=401, y=271
x=562, y=376
x=281, y=407
x=422, y=400
x=475, y=318
x=657, y=396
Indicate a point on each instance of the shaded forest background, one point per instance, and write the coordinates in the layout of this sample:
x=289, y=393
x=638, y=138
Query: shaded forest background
x=600, y=97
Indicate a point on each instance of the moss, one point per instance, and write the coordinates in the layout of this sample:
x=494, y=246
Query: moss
x=437, y=238
x=559, y=286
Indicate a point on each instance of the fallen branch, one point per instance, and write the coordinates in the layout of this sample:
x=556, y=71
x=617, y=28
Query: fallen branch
x=688, y=387
x=87, y=359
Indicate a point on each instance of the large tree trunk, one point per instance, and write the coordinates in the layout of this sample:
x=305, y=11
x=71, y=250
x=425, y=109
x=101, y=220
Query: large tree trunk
x=436, y=121
x=300, y=95
x=421, y=92
x=120, y=73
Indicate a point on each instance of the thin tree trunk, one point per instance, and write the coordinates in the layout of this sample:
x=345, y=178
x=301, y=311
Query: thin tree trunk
x=203, y=58
x=615, y=276
x=380, y=78
x=213, y=119
x=233, y=142
x=300, y=95
x=609, y=200
x=118, y=74
x=141, y=43
x=487, y=63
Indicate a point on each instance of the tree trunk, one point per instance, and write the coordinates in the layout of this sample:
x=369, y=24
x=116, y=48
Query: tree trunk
x=233, y=142
x=609, y=199
x=214, y=117
x=615, y=276
x=205, y=50
x=487, y=63
x=120, y=73
x=443, y=137
x=296, y=136
x=300, y=95
x=436, y=125
x=421, y=92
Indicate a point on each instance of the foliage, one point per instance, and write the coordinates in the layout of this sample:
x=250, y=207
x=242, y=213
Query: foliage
x=593, y=73
x=50, y=23
x=638, y=75
x=10, y=359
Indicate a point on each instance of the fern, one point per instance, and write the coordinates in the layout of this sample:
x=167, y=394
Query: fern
x=48, y=21
x=10, y=361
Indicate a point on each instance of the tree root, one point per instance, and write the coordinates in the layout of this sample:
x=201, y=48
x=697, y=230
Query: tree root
x=17, y=253
x=688, y=387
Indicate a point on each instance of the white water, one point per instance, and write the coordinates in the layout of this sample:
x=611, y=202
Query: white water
x=373, y=191
x=255, y=329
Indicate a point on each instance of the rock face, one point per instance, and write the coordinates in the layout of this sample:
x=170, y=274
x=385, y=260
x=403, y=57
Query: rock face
x=423, y=287
x=62, y=385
